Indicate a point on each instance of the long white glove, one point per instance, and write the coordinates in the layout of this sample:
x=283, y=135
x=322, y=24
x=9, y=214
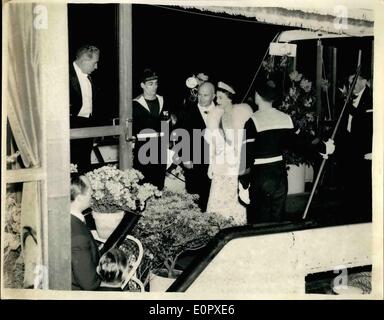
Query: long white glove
x=170, y=154
x=329, y=148
x=210, y=172
x=244, y=194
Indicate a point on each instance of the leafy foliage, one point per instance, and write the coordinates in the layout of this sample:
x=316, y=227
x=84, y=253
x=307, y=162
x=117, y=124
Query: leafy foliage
x=298, y=101
x=171, y=225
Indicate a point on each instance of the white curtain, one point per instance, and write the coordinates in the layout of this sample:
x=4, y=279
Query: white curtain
x=23, y=103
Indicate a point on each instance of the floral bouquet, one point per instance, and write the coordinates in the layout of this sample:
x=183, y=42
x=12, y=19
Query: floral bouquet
x=114, y=190
x=299, y=103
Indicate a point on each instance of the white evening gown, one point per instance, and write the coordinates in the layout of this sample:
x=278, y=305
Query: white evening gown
x=225, y=144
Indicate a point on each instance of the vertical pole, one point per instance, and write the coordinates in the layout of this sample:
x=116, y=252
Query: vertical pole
x=125, y=80
x=294, y=62
x=319, y=64
x=55, y=106
x=334, y=78
x=372, y=65
x=359, y=58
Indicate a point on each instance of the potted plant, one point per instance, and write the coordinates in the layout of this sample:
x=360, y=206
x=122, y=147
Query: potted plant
x=115, y=191
x=170, y=226
x=298, y=101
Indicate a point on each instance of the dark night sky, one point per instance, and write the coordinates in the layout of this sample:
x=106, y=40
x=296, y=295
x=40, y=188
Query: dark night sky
x=178, y=43
x=175, y=43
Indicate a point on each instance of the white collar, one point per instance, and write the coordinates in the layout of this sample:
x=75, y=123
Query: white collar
x=79, y=216
x=211, y=106
x=356, y=101
x=141, y=100
x=78, y=70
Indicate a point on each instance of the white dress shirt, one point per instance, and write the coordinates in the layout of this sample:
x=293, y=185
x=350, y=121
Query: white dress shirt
x=86, y=92
x=205, y=110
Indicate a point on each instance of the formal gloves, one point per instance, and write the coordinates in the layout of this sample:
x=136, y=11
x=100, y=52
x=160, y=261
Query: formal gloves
x=210, y=172
x=244, y=194
x=329, y=148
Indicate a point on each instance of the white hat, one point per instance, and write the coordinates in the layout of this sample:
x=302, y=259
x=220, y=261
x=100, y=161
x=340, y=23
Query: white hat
x=226, y=87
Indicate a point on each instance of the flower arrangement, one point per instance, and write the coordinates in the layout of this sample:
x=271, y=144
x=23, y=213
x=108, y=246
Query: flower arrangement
x=298, y=101
x=114, y=190
x=13, y=263
x=172, y=225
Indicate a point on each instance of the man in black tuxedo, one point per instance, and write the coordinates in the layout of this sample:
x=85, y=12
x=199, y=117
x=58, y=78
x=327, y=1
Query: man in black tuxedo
x=355, y=151
x=82, y=96
x=150, y=117
x=84, y=251
x=193, y=117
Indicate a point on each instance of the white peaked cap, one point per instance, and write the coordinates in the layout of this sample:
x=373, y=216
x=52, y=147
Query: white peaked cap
x=226, y=87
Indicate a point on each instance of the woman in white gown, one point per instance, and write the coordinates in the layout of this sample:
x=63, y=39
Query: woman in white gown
x=224, y=134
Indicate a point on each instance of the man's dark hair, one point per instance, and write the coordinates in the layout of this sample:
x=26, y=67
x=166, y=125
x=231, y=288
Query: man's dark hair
x=78, y=185
x=87, y=50
x=267, y=89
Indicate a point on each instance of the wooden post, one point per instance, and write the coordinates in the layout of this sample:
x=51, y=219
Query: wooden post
x=319, y=63
x=125, y=80
x=55, y=106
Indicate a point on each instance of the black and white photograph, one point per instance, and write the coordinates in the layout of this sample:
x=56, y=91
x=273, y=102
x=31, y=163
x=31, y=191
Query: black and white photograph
x=153, y=149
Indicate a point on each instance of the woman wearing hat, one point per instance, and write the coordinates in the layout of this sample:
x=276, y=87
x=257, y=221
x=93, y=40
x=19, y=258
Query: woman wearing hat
x=224, y=135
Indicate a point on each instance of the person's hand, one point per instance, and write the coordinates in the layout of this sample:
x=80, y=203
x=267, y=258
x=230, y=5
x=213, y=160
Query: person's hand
x=368, y=156
x=210, y=172
x=244, y=194
x=173, y=119
x=329, y=148
x=188, y=165
x=170, y=156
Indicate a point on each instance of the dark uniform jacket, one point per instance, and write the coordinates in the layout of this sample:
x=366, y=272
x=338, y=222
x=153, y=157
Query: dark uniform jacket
x=269, y=133
x=85, y=257
x=151, y=127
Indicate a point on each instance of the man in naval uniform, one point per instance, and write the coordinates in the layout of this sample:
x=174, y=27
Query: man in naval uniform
x=150, y=116
x=267, y=133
